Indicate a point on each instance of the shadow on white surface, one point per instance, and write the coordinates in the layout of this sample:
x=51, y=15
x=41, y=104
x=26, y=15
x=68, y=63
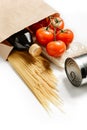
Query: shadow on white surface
x=74, y=91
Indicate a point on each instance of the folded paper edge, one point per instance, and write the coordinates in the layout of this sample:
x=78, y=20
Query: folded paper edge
x=6, y=49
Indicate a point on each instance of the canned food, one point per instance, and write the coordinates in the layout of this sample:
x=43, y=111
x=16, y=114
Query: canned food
x=76, y=70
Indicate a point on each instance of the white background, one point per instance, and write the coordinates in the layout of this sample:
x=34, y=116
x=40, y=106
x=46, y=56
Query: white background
x=20, y=110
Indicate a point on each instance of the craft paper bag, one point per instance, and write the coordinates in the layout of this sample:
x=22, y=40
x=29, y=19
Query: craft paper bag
x=15, y=15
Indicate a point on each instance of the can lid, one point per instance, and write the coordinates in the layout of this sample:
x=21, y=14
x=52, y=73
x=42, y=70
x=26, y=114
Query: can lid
x=73, y=72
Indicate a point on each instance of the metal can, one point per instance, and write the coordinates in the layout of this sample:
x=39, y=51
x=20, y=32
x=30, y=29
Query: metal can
x=76, y=70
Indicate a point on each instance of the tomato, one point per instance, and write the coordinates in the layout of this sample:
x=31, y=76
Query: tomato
x=44, y=35
x=52, y=17
x=65, y=35
x=56, y=22
x=42, y=23
x=38, y=25
x=55, y=15
x=35, y=26
x=56, y=48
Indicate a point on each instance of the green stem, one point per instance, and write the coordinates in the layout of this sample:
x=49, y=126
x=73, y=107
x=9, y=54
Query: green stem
x=57, y=21
x=47, y=27
x=62, y=31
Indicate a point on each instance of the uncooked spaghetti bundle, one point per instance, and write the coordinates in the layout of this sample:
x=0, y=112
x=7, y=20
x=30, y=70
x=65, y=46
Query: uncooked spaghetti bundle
x=37, y=74
x=35, y=71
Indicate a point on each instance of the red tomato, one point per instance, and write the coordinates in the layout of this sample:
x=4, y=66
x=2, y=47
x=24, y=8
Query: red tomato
x=35, y=26
x=52, y=17
x=55, y=15
x=44, y=35
x=65, y=35
x=42, y=23
x=56, y=22
x=56, y=48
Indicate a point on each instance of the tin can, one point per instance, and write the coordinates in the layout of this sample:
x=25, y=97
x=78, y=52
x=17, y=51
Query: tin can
x=76, y=70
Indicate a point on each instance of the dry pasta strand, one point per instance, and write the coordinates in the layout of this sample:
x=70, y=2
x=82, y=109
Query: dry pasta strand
x=38, y=76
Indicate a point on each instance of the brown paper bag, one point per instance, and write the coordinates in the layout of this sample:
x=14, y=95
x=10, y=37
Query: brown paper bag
x=18, y=14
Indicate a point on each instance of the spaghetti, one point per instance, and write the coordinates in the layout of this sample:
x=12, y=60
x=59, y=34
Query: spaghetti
x=38, y=76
